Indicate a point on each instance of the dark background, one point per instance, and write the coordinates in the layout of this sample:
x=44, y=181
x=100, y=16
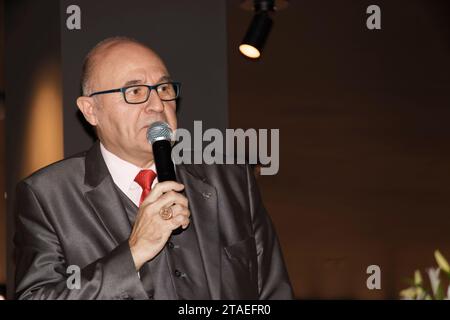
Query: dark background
x=363, y=118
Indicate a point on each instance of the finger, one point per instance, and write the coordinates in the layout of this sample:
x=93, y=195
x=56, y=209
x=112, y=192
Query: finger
x=160, y=188
x=172, y=200
x=168, y=199
x=178, y=209
x=178, y=221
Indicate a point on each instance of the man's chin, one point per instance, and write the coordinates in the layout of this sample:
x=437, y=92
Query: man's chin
x=146, y=150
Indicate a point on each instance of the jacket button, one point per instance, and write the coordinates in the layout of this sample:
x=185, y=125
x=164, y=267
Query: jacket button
x=206, y=195
x=170, y=245
x=178, y=273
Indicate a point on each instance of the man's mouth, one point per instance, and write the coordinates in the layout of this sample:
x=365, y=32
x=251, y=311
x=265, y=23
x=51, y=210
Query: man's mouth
x=149, y=124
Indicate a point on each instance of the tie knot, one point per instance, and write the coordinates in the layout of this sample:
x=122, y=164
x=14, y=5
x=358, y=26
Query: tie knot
x=145, y=179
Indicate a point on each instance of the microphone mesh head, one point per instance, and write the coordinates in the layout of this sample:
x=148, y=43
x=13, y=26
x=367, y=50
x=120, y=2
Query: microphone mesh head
x=159, y=130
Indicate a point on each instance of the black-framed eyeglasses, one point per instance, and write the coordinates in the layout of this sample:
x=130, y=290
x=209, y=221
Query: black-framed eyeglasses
x=140, y=93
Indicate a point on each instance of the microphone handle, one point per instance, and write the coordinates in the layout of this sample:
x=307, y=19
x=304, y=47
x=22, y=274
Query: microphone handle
x=162, y=153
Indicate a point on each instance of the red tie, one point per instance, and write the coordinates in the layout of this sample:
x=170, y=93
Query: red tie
x=145, y=179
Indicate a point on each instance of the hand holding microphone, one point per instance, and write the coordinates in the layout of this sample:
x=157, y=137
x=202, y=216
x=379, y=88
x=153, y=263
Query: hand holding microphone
x=152, y=229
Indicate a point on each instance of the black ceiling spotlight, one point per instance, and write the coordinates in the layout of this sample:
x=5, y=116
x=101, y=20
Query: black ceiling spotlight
x=260, y=27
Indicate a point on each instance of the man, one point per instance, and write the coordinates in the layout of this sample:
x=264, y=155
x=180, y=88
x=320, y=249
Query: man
x=103, y=211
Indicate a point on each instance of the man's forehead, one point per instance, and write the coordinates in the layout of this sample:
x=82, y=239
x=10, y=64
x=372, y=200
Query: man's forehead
x=129, y=62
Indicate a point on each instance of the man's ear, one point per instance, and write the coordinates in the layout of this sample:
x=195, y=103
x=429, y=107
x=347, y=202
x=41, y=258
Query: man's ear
x=87, y=107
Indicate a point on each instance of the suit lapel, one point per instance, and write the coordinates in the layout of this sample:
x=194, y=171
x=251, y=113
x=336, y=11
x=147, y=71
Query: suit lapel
x=103, y=197
x=204, y=212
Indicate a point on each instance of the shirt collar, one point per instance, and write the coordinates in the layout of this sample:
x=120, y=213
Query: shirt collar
x=122, y=172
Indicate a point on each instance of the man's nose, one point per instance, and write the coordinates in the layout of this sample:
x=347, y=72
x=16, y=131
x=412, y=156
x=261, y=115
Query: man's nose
x=154, y=103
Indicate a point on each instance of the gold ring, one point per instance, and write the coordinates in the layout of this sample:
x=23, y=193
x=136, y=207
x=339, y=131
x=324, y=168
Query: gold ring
x=166, y=213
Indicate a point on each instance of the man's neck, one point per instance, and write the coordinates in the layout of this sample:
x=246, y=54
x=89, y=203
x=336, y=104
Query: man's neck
x=140, y=162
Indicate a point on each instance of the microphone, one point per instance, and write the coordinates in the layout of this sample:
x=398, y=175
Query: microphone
x=159, y=135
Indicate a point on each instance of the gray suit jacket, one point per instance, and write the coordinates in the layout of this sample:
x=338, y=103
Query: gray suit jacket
x=70, y=213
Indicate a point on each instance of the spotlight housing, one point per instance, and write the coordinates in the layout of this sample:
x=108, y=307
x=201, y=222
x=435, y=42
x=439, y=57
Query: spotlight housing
x=260, y=26
x=256, y=35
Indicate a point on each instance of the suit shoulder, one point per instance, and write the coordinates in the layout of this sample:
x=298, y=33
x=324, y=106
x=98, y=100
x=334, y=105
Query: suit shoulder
x=66, y=169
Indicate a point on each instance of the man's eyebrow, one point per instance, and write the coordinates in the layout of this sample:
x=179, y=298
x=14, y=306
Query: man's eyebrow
x=165, y=78
x=132, y=82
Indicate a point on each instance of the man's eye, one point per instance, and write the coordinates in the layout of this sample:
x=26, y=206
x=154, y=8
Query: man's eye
x=136, y=91
x=163, y=87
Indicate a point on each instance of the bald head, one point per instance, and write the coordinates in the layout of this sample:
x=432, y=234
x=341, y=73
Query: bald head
x=98, y=53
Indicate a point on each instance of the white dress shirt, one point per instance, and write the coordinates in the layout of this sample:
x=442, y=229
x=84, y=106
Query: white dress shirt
x=123, y=174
